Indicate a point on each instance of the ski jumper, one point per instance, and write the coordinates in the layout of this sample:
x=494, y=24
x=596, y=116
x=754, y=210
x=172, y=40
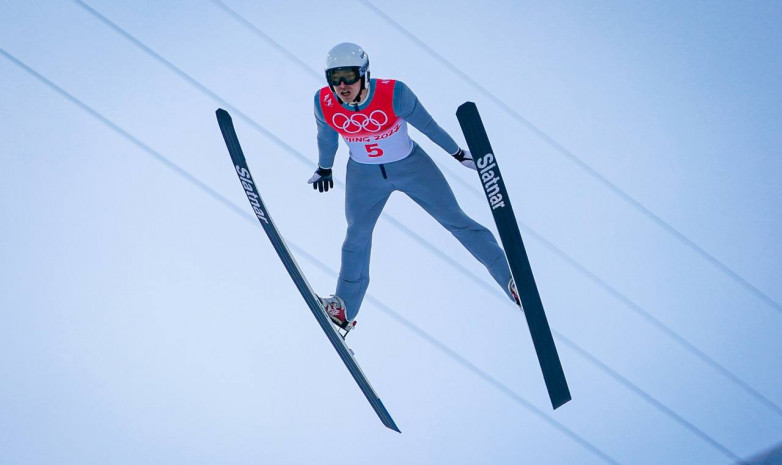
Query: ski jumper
x=384, y=159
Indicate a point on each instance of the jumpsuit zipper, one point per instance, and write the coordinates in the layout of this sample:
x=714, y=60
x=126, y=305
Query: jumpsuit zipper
x=383, y=170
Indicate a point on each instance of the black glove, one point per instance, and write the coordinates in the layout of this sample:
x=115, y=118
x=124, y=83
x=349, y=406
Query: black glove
x=465, y=158
x=322, y=179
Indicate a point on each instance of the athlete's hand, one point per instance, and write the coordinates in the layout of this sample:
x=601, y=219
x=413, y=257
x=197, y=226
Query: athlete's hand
x=322, y=179
x=465, y=158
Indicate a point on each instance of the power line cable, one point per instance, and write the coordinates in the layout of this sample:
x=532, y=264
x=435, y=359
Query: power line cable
x=559, y=148
x=651, y=400
x=179, y=171
x=634, y=307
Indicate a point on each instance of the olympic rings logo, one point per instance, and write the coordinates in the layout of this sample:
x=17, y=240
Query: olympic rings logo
x=358, y=122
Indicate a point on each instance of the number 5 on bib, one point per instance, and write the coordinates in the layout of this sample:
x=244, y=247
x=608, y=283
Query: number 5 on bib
x=374, y=150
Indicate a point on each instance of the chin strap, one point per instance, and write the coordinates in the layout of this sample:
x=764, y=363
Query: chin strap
x=364, y=85
x=358, y=96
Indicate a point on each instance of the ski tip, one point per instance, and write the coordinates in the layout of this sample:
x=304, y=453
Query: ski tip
x=466, y=106
x=222, y=113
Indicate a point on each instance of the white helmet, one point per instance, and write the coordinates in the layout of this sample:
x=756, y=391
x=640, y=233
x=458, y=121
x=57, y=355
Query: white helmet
x=347, y=57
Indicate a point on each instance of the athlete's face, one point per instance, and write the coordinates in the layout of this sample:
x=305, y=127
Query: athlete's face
x=347, y=92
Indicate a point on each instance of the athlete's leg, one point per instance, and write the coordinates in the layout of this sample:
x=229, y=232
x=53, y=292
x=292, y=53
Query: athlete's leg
x=366, y=193
x=420, y=179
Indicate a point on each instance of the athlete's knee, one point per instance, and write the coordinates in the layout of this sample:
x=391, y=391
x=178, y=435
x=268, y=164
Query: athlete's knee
x=357, y=246
x=463, y=224
x=357, y=238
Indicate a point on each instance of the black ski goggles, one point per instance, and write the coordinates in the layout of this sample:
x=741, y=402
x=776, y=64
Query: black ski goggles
x=349, y=76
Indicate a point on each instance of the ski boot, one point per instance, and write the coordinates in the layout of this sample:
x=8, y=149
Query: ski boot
x=335, y=309
x=515, y=293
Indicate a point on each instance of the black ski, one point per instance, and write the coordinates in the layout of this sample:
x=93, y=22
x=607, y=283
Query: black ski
x=497, y=195
x=312, y=300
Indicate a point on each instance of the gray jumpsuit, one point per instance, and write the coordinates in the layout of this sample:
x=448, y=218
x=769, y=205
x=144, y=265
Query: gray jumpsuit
x=370, y=182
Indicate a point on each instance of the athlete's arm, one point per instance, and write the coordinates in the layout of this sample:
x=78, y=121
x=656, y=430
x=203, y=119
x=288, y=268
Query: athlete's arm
x=328, y=138
x=408, y=107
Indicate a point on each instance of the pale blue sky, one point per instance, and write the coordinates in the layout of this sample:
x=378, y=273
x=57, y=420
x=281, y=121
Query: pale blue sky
x=144, y=318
